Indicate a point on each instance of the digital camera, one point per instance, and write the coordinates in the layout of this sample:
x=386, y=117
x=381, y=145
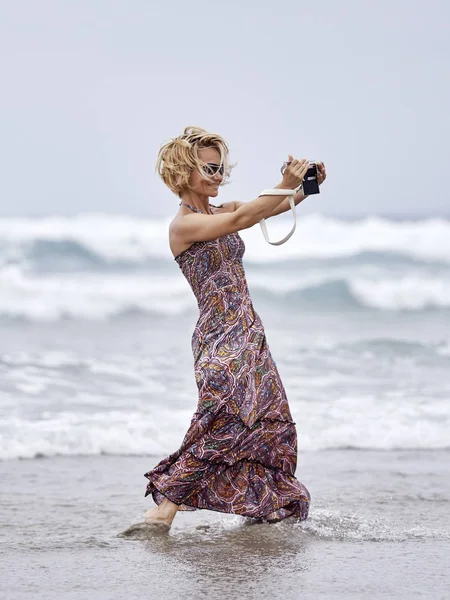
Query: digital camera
x=310, y=184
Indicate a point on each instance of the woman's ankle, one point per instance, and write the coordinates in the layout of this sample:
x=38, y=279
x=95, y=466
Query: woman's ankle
x=167, y=510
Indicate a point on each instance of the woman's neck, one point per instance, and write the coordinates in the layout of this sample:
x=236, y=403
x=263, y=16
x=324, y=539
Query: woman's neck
x=200, y=202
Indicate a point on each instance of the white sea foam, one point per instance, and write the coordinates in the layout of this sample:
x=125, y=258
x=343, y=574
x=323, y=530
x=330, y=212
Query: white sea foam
x=324, y=237
x=58, y=404
x=68, y=433
x=118, y=397
x=112, y=237
x=357, y=422
x=124, y=238
x=403, y=293
x=94, y=296
x=98, y=266
x=89, y=296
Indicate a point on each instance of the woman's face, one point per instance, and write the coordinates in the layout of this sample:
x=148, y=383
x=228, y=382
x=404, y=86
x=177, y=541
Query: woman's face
x=206, y=187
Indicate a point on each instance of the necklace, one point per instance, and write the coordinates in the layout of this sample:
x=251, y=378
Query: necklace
x=193, y=208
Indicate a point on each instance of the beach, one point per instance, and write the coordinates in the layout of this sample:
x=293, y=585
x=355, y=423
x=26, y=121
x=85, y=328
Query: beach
x=378, y=528
x=97, y=386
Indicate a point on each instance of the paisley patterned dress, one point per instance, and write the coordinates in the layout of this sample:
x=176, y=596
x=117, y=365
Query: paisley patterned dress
x=239, y=454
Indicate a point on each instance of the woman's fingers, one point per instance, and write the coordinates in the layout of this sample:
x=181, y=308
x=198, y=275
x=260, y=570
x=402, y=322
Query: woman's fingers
x=296, y=170
x=322, y=174
x=299, y=167
x=304, y=167
x=299, y=164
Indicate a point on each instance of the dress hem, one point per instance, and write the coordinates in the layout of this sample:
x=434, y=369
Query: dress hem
x=192, y=508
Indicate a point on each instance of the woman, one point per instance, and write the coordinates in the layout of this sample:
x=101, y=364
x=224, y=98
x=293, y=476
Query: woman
x=239, y=454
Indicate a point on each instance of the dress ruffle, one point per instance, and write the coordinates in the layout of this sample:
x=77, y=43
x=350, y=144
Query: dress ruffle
x=226, y=466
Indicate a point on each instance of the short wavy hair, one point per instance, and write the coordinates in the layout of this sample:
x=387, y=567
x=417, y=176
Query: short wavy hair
x=178, y=157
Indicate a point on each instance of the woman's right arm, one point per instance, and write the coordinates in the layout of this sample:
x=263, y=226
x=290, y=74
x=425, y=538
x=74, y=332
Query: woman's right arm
x=198, y=227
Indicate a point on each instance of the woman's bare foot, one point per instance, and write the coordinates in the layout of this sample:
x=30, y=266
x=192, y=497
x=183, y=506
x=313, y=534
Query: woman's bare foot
x=153, y=518
x=162, y=515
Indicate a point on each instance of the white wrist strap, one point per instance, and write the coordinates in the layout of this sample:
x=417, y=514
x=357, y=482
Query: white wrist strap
x=279, y=192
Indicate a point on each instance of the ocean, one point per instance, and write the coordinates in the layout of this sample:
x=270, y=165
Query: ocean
x=97, y=385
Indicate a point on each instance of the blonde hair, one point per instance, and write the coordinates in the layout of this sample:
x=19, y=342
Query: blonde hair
x=178, y=158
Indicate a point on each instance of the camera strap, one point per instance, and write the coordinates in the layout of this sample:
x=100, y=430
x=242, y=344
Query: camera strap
x=279, y=192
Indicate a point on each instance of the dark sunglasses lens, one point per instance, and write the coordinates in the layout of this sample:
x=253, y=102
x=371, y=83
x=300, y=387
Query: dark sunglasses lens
x=211, y=169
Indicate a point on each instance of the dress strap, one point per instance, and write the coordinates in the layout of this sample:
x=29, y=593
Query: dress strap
x=191, y=208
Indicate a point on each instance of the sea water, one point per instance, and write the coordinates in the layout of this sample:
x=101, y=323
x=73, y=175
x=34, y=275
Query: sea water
x=96, y=318
x=96, y=384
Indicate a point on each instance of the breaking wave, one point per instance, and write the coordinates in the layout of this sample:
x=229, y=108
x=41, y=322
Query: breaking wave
x=101, y=267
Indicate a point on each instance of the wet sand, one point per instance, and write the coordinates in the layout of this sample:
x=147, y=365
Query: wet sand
x=378, y=528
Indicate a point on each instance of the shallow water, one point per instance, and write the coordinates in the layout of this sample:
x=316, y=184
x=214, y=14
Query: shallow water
x=378, y=528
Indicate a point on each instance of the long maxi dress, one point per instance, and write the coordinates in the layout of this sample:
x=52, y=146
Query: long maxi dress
x=239, y=454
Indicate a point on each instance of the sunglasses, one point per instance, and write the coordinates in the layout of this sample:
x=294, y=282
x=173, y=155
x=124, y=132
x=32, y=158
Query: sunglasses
x=212, y=169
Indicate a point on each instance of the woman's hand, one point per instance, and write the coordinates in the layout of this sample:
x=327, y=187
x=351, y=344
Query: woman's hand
x=321, y=176
x=321, y=173
x=294, y=173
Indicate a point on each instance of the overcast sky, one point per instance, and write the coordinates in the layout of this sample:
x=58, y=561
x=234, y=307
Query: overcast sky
x=91, y=88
